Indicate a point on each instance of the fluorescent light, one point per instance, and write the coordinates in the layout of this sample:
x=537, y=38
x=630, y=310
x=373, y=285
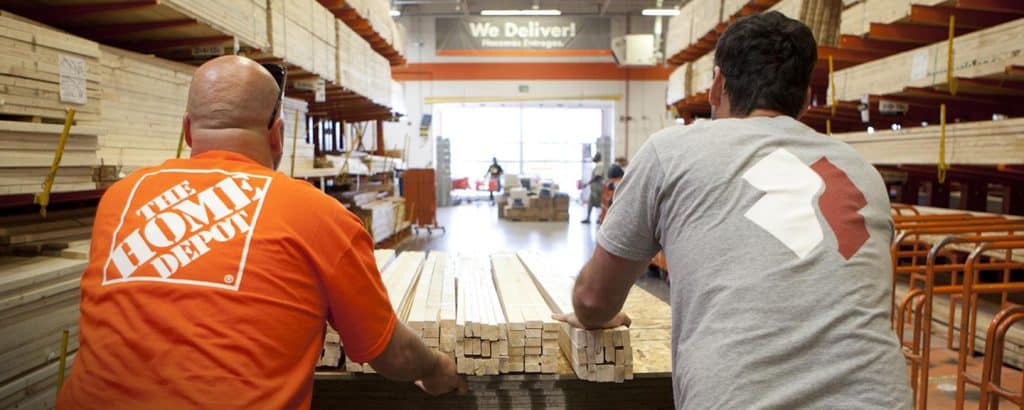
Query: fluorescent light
x=521, y=12
x=660, y=12
x=395, y=13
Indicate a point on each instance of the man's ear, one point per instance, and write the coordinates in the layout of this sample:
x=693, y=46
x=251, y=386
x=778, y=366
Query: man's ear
x=717, y=88
x=276, y=135
x=186, y=127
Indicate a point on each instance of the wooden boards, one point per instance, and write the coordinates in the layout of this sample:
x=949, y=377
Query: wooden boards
x=482, y=345
x=857, y=19
x=595, y=355
x=361, y=69
x=383, y=218
x=244, y=19
x=39, y=299
x=37, y=62
x=303, y=33
x=970, y=143
x=425, y=310
x=142, y=106
x=28, y=154
x=821, y=16
x=981, y=54
x=533, y=334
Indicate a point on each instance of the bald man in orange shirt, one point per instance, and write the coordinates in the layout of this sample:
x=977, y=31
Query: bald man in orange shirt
x=210, y=278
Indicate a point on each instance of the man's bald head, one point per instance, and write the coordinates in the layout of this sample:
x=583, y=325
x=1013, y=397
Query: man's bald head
x=229, y=103
x=231, y=92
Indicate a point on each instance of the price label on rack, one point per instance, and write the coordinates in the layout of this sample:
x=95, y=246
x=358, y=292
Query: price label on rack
x=73, y=78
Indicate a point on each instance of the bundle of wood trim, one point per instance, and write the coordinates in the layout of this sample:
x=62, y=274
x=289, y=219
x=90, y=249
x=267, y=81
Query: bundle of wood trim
x=425, y=309
x=968, y=143
x=980, y=54
x=595, y=355
x=481, y=333
x=532, y=332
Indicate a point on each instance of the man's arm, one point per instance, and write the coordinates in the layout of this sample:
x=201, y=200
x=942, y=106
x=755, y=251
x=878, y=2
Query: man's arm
x=406, y=358
x=602, y=287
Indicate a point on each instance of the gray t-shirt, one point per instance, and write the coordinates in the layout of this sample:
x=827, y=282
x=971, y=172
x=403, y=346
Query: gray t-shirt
x=777, y=240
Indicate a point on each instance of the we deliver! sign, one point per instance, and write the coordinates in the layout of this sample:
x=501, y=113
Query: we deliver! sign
x=523, y=36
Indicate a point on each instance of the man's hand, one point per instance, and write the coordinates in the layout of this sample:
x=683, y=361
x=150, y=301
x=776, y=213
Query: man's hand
x=620, y=319
x=444, y=377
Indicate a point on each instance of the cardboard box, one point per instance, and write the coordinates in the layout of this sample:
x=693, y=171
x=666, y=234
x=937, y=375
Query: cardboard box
x=531, y=213
x=562, y=202
x=546, y=213
x=561, y=216
x=543, y=202
x=512, y=212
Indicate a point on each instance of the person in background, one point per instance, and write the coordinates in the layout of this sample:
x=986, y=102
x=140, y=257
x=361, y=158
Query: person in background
x=615, y=173
x=210, y=279
x=596, y=185
x=777, y=239
x=618, y=168
x=493, y=175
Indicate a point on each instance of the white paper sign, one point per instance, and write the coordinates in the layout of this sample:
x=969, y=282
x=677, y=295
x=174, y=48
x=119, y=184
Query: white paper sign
x=919, y=68
x=73, y=79
x=321, y=91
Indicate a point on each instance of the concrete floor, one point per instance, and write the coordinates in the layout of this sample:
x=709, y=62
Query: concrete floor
x=475, y=228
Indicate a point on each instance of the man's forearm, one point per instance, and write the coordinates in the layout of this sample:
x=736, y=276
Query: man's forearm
x=602, y=287
x=406, y=358
x=590, y=311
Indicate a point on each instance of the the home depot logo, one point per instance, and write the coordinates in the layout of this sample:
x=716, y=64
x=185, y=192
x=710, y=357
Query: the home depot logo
x=788, y=210
x=187, y=227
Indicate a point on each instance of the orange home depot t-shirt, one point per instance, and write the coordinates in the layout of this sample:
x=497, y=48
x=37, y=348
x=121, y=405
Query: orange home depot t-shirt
x=208, y=284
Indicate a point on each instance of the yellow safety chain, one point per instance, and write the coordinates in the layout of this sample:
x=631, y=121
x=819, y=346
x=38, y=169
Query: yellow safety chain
x=942, y=167
x=63, y=360
x=950, y=78
x=295, y=139
x=832, y=83
x=43, y=198
x=828, y=127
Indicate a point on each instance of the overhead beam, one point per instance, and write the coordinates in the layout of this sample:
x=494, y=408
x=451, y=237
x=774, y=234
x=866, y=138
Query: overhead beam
x=109, y=31
x=966, y=18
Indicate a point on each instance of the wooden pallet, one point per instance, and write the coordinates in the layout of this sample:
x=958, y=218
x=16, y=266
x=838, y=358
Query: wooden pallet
x=595, y=355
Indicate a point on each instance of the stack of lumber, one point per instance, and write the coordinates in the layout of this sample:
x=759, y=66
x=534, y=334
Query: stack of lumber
x=361, y=69
x=302, y=32
x=33, y=235
x=380, y=164
x=144, y=99
x=377, y=12
x=969, y=143
x=983, y=53
x=676, y=87
x=482, y=345
x=294, y=112
x=530, y=325
x=244, y=19
x=34, y=58
x=680, y=30
x=383, y=218
x=707, y=15
x=701, y=75
x=857, y=19
x=821, y=16
x=595, y=355
x=425, y=311
x=38, y=300
x=447, y=315
x=400, y=277
x=333, y=354
x=28, y=154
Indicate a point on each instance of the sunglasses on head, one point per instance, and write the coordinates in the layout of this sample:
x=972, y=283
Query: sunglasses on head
x=280, y=74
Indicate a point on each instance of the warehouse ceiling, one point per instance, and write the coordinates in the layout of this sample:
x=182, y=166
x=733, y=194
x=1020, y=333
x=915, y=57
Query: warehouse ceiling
x=568, y=7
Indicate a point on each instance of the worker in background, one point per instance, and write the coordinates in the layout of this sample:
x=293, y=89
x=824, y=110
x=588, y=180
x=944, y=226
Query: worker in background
x=615, y=173
x=777, y=239
x=493, y=175
x=596, y=185
x=210, y=278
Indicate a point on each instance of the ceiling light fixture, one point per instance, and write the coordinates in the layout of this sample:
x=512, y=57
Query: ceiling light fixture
x=547, y=12
x=395, y=12
x=660, y=12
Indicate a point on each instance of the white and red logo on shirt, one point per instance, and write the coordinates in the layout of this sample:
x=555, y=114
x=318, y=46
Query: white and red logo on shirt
x=178, y=218
x=787, y=210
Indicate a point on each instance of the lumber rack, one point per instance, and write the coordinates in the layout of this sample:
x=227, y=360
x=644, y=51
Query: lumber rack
x=344, y=12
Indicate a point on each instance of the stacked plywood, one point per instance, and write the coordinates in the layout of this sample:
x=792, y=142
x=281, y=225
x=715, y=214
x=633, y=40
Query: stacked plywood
x=302, y=32
x=979, y=54
x=707, y=14
x=675, y=90
x=38, y=63
x=482, y=345
x=680, y=30
x=34, y=235
x=144, y=99
x=701, y=75
x=383, y=218
x=294, y=112
x=400, y=277
x=28, y=154
x=38, y=301
x=361, y=69
x=332, y=354
x=378, y=13
x=821, y=16
x=532, y=333
x=972, y=143
x=595, y=355
x=244, y=19
x=857, y=19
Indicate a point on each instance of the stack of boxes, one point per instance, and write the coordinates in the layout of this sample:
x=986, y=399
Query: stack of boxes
x=545, y=204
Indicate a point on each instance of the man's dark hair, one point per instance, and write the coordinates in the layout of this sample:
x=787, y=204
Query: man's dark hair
x=767, y=60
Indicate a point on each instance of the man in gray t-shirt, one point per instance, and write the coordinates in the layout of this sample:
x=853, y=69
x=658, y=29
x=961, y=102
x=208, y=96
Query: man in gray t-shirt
x=777, y=240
